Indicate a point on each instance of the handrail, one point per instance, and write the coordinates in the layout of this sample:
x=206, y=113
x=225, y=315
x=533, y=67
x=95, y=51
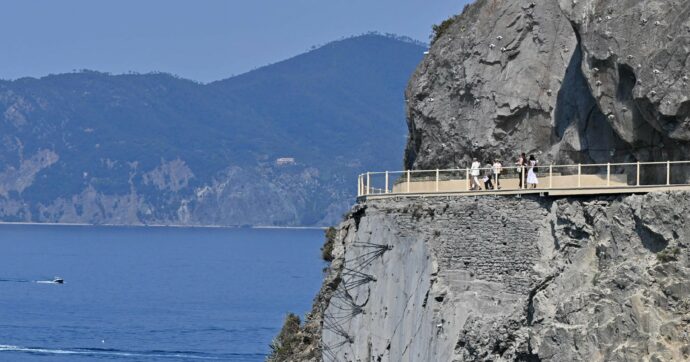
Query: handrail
x=408, y=181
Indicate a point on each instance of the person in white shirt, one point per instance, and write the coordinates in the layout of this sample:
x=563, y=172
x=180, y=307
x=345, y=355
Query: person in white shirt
x=532, y=173
x=474, y=175
x=496, y=170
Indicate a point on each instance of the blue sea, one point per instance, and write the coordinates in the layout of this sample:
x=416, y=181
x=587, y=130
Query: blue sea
x=151, y=294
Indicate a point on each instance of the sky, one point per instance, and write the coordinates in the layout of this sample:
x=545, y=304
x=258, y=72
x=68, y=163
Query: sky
x=203, y=40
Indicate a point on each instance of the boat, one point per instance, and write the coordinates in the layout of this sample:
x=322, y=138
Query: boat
x=58, y=280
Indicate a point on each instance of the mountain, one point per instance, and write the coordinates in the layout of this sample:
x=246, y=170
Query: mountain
x=156, y=149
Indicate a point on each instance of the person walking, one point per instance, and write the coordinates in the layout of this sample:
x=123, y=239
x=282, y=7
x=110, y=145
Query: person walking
x=532, y=173
x=521, y=163
x=496, y=170
x=474, y=175
x=488, y=176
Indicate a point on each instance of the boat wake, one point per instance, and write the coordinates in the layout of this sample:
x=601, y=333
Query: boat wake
x=56, y=280
x=115, y=353
x=14, y=281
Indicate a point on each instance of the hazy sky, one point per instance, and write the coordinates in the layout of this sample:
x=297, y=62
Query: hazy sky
x=203, y=40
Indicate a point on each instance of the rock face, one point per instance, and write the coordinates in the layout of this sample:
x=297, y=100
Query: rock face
x=509, y=279
x=497, y=278
x=570, y=81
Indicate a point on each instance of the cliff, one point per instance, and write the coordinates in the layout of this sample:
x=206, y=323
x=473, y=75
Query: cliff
x=569, y=81
x=498, y=278
x=508, y=279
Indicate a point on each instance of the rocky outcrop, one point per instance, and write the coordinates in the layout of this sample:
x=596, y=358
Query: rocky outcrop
x=508, y=279
x=498, y=278
x=569, y=81
x=17, y=179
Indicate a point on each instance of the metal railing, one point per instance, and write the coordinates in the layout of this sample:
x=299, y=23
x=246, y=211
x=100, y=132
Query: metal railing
x=514, y=178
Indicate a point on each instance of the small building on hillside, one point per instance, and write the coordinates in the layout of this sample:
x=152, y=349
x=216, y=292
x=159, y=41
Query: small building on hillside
x=285, y=161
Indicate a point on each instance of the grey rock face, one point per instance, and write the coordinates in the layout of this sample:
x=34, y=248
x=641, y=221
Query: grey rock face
x=635, y=61
x=506, y=279
x=570, y=81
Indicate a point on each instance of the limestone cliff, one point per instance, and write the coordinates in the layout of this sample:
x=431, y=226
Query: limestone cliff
x=499, y=278
x=568, y=80
x=508, y=279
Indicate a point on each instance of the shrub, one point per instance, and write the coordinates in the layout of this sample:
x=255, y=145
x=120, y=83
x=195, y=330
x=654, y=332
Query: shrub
x=440, y=29
x=668, y=255
x=327, y=248
x=287, y=341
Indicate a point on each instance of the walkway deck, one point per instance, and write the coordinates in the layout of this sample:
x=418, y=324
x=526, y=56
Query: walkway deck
x=554, y=180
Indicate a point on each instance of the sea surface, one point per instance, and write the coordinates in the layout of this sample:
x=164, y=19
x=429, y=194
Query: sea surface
x=151, y=294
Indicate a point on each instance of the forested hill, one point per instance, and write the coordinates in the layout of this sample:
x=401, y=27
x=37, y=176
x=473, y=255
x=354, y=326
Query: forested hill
x=156, y=149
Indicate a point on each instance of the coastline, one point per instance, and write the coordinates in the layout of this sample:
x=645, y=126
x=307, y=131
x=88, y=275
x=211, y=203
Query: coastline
x=258, y=227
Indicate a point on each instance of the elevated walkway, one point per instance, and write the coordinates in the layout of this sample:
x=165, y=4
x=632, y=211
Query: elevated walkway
x=554, y=180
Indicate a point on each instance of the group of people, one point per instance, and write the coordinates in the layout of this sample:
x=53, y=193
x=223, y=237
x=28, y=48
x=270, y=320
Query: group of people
x=492, y=173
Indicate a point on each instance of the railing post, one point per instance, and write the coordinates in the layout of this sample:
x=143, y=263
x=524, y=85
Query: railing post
x=668, y=173
x=495, y=177
x=386, y=181
x=608, y=174
x=467, y=175
x=551, y=176
x=579, y=175
x=361, y=185
x=437, y=180
x=524, y=177
x=638, y=173
x=368, y=183
x=408, y=181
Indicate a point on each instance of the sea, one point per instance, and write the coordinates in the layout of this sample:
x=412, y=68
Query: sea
x=150, y=293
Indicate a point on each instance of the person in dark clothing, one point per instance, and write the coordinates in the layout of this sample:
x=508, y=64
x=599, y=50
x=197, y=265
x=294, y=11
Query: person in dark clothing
x=521, y=163
x=488, y=177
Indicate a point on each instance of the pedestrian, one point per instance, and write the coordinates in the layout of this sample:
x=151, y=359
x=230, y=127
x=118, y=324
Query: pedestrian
x=496, y=170
x=521, y=163
x=488, y=176
x=474, y=173
x=532, y=173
